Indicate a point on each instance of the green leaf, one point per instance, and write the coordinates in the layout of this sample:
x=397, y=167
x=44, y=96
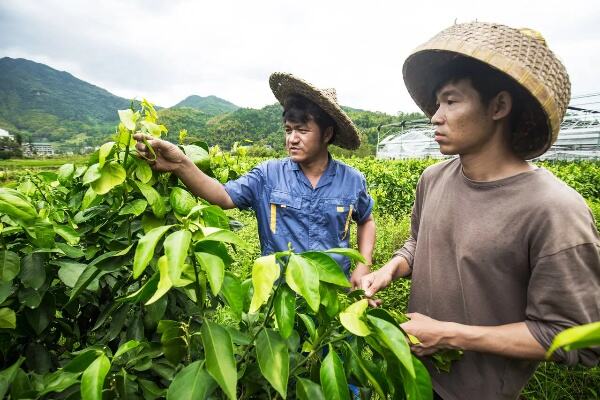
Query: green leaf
x=88, y=198
x=198, y=155
x=214, y=268
x=58, y=381
x=154, y=199
x=65, y=174
x=6, y=289
x=333, y=378
x=41, y=233
x=69, y=234
x=70, y=272
x=329, y=270
x=8, y=318
x=111, y=175
x=128, y=118
x=352, y=318
x=371, y=371
x=285, y=310
x=92, y=174
x=16, y=206
x=577, y=337
x=8, y=375
x=191, y=383
x=145, y=249
x=310, y=326
x=143, y=171
x=176, y=246
x=422, y=385
x=104, y=152
x=308, y=390
x=165, y=283
x=350, y=253
x=82, y=361
x=264, y=274
x=33, y=272
x=135, y=208
x=329, y=298
x=303, y=277
x=153, y=129
x=181, y=201
x=233, y=293
x=93, y=377
x=125, y=347
x=220, y=362
x=394, y=339
x=9, y=265
x=220, y=235
x=273, y=359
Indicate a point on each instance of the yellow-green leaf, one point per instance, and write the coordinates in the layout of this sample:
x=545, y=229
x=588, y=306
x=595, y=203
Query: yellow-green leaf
x=352, y=318
x=164, y=283
x=145, y=249
x=264, y=274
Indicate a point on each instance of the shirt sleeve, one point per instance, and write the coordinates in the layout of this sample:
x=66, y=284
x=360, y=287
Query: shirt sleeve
x=564, y=291
x=245, y=190
x=364, y=204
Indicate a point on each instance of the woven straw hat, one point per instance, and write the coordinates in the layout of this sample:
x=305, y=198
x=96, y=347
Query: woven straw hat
x=346, y=134
x=522, y=54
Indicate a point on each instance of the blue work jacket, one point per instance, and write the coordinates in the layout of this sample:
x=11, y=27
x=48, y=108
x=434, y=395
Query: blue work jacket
x=289, y=210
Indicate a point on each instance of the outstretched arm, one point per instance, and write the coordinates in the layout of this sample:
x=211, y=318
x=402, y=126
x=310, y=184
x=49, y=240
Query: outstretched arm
x=510, y=340
x=365, y=237
x=169, y=158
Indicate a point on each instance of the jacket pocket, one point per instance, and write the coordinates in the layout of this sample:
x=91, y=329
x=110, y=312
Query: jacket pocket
x=285, y=211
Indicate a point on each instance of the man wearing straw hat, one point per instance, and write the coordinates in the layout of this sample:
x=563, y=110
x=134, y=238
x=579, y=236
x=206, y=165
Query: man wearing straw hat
x=308, y=199
x=503, y=255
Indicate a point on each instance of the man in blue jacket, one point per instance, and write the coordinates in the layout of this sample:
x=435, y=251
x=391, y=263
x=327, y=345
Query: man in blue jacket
x=308, y=199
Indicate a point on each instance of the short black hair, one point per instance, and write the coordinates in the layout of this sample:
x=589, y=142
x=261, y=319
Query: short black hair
x=488, y=82
x=299, y=109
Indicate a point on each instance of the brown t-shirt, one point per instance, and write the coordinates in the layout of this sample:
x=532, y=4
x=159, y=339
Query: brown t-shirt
x=523, y=248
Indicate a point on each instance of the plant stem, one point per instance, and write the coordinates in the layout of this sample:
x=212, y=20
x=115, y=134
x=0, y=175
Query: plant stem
x=126, y=150
x=199, y=299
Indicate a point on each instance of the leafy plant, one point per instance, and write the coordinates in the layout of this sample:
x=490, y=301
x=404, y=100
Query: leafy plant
x=114, y=281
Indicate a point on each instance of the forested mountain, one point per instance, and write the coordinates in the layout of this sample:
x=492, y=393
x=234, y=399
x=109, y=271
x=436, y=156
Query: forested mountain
x=44, y=104
x=211, y=105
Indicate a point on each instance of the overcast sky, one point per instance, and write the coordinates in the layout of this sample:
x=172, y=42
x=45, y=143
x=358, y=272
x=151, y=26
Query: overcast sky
x=168, y=50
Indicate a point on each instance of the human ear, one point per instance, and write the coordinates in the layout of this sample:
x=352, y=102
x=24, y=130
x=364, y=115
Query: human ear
x=328, y=134
x=501, y=105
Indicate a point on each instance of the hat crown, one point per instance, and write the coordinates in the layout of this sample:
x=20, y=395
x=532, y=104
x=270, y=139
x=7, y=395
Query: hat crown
x=330, y=93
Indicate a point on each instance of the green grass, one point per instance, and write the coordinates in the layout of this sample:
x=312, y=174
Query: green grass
x=54, y=162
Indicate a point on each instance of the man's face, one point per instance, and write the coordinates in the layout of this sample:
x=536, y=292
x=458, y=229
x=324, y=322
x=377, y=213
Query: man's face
x=304, y=141
x=463, y=124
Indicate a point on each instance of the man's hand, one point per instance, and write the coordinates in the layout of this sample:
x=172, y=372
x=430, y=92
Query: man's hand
x=169, y=157
x=373, y=282
x=360, y=271
x=433, y=335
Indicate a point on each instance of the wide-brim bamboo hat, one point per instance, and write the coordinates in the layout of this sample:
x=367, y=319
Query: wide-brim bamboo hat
x=284, y=84
x=522, y=54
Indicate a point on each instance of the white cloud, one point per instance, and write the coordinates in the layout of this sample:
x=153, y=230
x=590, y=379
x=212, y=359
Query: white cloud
x=167, y=50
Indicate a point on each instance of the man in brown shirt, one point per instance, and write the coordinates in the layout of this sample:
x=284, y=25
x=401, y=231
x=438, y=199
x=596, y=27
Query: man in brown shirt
x=502, y=254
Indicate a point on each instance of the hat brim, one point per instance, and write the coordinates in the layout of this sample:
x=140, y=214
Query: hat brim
x=523, y=57
x=284, y=84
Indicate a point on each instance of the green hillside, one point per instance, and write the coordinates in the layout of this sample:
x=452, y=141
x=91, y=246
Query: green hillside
x=44, y=104
x=211, y=105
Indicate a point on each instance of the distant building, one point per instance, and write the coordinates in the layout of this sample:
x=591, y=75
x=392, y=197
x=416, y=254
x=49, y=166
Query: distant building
x=37, y=149
x=578, y=139
x=5, y=134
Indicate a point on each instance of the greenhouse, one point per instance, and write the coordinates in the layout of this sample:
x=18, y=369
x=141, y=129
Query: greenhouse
x=579, y=138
